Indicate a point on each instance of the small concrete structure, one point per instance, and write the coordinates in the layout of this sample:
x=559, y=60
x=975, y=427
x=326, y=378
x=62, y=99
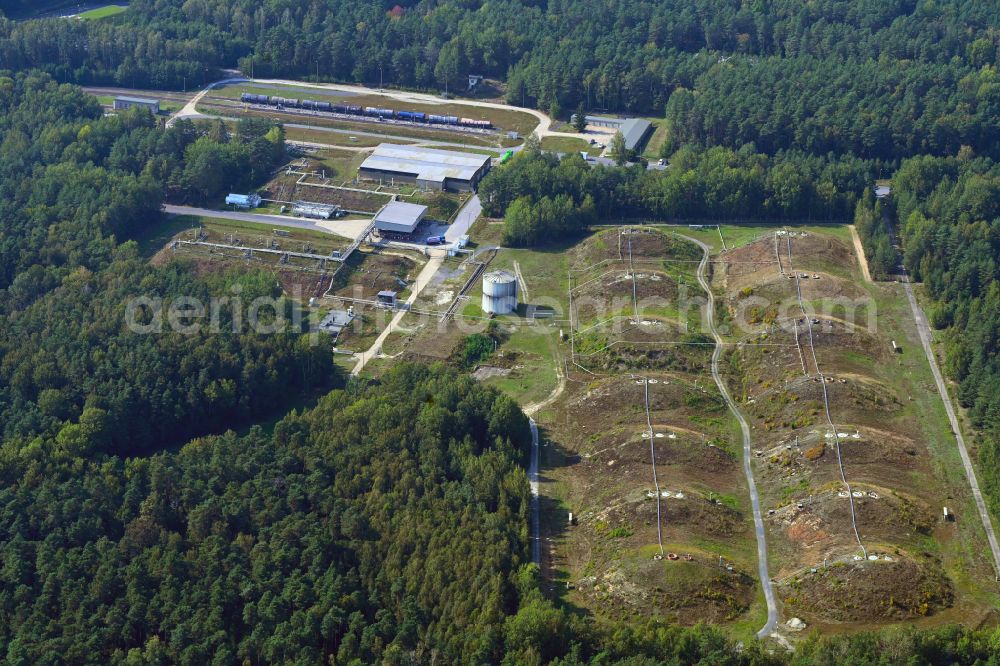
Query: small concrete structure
x=123, y=102
x=336, y=321
x=399, y=217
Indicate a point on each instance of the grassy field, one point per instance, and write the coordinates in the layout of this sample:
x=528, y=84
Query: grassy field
x=341, y=163
x=337, y=138
x=656, y=141
x=565, y=144
x=102, y=12
x=322, y=242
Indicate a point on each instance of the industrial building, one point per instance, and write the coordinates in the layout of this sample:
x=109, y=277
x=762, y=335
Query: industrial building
x=245, y=201
x=122, y=103
x=633, y=129
x=399, y=217
x=425, y=167
x=499, y=293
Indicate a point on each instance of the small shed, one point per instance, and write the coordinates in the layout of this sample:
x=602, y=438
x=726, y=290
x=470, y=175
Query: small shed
x=387, y=299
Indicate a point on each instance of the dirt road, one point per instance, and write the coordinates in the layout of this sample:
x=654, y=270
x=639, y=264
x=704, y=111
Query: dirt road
x=536, y=516
x=758, y=521
x=924, y=330
x=860, y=251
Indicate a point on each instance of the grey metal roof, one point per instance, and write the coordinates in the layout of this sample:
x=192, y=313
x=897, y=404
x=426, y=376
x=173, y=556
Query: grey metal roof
x=604, y=120
x=137, y=100
x=425, y=163
x=399, y=216
x=634, y=130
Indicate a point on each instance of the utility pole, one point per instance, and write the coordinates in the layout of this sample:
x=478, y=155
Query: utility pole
x=317, y=70
x=380, y=78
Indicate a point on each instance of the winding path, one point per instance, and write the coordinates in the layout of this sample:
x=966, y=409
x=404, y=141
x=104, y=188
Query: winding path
x=758, y=520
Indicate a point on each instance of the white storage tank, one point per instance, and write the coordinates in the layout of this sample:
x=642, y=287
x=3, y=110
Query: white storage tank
x=499, y=293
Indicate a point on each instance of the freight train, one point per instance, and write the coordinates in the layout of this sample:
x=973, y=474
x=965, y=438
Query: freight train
x=370, y=111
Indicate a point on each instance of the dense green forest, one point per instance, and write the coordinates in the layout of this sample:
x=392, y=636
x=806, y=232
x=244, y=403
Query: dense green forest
x=543, y=198
x=74, y=377
x=948, y=212
x=879, y=80
x=389, y=524
x=74, y=183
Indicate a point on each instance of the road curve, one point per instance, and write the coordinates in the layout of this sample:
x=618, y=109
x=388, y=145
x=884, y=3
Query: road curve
x=924, y=331
x=189, y=110
x=758, y=521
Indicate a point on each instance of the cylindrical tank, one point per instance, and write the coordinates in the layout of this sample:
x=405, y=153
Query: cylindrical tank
x=499, y=293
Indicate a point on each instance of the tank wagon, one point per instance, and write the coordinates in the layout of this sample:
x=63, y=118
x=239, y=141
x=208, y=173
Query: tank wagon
x=369, y=111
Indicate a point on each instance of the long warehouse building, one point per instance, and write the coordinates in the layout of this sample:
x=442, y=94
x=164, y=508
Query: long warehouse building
x=425, y=167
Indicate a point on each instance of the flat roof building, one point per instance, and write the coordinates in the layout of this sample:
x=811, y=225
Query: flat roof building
x=425, y=167
x=123, y=102
x=399, y=217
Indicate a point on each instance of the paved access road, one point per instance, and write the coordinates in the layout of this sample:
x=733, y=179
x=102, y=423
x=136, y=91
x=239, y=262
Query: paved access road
x=758, y=521
x=189, y=110
x=430, y=268
x=344, y=228
x=470, y=212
